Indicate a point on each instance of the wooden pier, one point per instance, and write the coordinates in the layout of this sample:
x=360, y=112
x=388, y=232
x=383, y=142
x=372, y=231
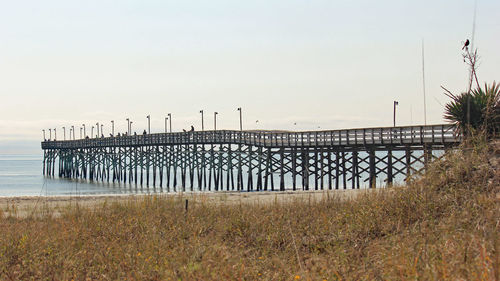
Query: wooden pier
x=252, y=160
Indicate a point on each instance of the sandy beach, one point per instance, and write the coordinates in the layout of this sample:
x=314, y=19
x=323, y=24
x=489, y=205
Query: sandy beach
x=32, y=205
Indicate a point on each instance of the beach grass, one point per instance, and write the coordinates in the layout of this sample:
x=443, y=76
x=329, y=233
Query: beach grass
x=442, y=226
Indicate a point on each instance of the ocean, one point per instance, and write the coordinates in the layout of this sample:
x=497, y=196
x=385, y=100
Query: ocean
x=21, y=175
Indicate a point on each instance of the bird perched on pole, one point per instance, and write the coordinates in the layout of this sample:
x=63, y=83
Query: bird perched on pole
x=466, y=44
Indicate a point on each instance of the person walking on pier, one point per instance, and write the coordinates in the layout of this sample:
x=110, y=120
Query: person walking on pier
x=192, y=128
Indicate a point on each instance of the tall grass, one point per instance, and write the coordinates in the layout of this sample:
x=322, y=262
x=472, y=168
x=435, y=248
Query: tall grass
x=443, y=226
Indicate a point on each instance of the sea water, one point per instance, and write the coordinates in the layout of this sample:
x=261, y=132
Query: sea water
x=21, y=175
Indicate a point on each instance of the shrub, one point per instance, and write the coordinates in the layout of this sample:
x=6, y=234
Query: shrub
x=484, y=105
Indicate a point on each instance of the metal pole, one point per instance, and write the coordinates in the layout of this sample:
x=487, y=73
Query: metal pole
x=112, y=127
x=170, y=121
x=102, y=131
x=55, y=134
x=73, y=127
x=394, y=118
x=423, y=83
x=202, y=126
x=241, y=124
x=84, y=131
x=50, y=134
x=44, y=135
x=149, y=124
x=81, y=132
x=215, y=120
x=92, y=132
x=131, y=127
x=64, y=133
x=128, y=126
x=97, y=124
x=166, y=118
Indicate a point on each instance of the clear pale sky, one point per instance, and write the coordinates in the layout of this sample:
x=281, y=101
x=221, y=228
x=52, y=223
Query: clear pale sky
x=319, y=64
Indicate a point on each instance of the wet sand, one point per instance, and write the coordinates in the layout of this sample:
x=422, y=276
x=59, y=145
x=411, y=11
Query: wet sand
x=33, y=205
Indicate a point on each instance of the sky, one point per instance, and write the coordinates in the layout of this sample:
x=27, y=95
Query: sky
x=291, y=65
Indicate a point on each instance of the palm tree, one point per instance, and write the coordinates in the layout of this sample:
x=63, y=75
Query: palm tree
x=484, y=109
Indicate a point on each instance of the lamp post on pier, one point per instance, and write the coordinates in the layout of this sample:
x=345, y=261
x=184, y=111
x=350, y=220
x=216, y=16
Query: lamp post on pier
x=113, y=128
x=50, y=134
x=241, y=124
x=170, y=121
x=73, y=127
x=215, y=120
x=202, y=126
x=131, y=127
x=55, y=134
x=97, y=128
x=166, y=119
x=128, y=126
x=92, y=132
x=394, y=118
x=44, y=135
x=64, y=133
x=84, y=131
x=81, y=132
x=149, y=124
x=102, y=131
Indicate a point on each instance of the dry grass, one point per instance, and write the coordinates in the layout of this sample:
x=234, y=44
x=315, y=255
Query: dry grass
x=444, y=226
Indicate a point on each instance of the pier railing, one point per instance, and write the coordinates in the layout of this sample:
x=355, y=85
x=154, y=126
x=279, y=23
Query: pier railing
x=408, y=135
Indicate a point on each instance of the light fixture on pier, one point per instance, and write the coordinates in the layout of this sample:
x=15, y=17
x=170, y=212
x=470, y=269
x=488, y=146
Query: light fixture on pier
x=394, y=118
x=170, y=121
x=149, y=124
x=241, y=124
x=215, y=120
x=202, y=125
